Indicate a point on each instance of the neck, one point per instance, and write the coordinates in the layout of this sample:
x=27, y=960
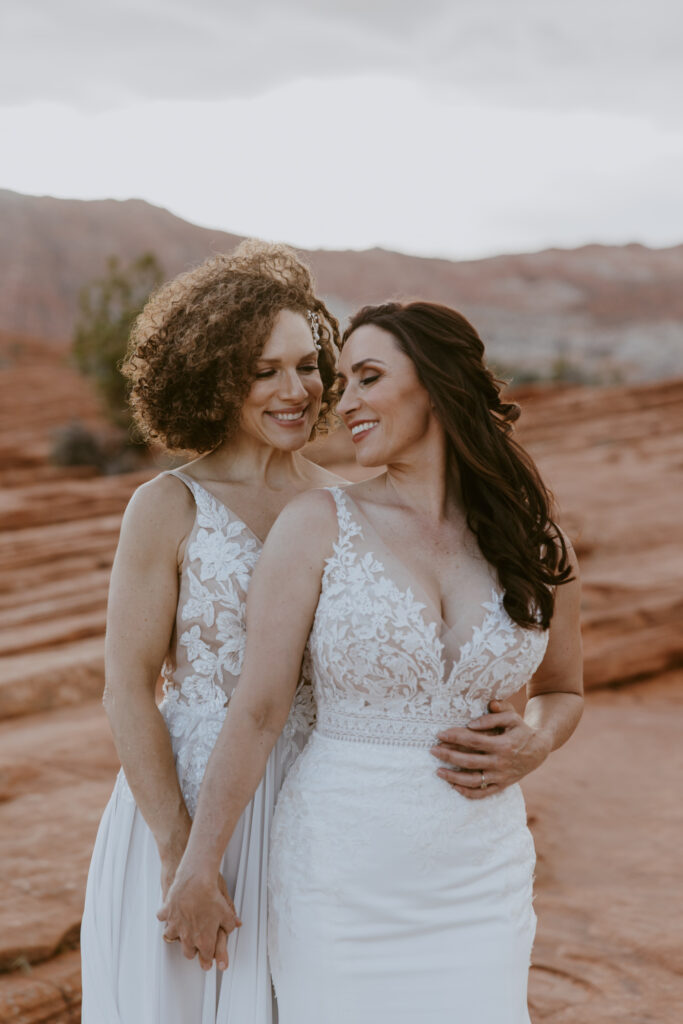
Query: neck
x=246, y=460
x=420, y=480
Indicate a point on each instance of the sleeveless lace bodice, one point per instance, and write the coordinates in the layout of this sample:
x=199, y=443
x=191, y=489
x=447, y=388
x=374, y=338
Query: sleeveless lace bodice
x=379, y=667
x=203, y=668
x=210, y=636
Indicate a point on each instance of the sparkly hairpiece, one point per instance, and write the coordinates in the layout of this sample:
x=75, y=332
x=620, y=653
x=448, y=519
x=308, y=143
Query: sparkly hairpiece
x=312, y=318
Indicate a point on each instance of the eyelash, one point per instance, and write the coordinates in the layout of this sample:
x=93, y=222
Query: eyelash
x=366, y=380
x=308, y=368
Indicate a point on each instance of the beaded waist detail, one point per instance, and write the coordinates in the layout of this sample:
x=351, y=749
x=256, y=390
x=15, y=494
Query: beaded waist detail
x=367, y=727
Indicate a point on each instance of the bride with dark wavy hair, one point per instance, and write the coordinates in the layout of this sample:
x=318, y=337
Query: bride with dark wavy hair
x=401, y=866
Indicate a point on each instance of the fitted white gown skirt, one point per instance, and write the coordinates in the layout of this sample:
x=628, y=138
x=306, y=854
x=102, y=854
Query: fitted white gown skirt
x=130, y=975
x=395, y=900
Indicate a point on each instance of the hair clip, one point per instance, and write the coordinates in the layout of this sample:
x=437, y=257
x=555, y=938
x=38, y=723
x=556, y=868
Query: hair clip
x=312, y=318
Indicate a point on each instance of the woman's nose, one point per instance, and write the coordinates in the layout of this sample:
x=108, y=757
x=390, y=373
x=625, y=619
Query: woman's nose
x=348, y=401
x=292, y=387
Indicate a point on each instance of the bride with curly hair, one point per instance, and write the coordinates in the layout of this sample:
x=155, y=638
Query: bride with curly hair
x=233, y=362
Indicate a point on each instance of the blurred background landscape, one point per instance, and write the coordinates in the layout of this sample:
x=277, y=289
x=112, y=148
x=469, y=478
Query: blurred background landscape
x=605, y=422
x=530, y=158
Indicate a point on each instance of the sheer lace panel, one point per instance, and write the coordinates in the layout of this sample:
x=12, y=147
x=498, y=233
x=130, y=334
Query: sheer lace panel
x=220, y=556
x=380, y=667
x=202, y=671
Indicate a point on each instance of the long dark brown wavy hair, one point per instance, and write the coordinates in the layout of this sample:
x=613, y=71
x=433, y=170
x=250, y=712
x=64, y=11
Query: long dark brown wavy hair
x=508, y=507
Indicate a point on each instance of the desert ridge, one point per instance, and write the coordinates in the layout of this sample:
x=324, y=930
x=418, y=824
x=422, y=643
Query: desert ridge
x=598, y=314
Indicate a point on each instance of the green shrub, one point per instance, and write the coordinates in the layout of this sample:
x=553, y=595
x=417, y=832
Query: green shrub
x=107, y=309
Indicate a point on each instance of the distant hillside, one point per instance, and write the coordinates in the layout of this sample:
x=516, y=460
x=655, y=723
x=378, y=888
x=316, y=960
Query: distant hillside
x=598, y=313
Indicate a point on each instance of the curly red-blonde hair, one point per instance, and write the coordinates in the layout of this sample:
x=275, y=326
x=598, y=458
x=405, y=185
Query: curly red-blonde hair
x=193, y=348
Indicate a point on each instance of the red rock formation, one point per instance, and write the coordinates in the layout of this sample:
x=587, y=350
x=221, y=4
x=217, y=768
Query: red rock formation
x=605, y=809
x=606, y=815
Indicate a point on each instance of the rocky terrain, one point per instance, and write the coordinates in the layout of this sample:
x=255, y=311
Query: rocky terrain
x=598, y=313
x=605, y=810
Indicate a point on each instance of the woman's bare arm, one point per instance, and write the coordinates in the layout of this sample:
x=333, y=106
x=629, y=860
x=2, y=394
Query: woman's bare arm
x=553, y=710
x=143, y=597
x=282, y=599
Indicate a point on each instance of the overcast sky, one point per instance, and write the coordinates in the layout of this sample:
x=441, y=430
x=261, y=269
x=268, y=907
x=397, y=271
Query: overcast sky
x=443, y=127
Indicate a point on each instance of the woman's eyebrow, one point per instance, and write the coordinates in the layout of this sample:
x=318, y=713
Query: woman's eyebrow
x=357, y=366
x=313, y=354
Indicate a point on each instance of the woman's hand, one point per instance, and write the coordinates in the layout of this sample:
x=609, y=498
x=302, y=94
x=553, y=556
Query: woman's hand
x=490, y=753
x=200, y=914
x=501, y=747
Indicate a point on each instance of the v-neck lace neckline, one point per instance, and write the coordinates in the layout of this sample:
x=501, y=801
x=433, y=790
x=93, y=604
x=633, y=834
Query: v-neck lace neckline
x=418, y=592
x=491, y=606
x=380, y=672
x=193, y=482
x=434, y=629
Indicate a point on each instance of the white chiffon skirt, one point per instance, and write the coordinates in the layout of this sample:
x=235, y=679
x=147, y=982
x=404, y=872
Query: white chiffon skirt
x=394, y=900
x=130, y=975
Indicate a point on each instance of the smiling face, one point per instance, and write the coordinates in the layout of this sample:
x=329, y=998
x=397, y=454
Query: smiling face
x=282, y=406
x=384, y=405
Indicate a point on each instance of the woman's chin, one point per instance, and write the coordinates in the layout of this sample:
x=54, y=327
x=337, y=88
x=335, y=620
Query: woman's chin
x=289, y=440
x=295, y=444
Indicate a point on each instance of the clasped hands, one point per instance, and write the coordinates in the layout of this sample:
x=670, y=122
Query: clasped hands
x=200, y=914
x=490, y=753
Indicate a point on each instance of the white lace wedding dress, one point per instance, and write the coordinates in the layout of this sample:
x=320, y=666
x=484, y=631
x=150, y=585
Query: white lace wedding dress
x=130, y=976
x=393, y=899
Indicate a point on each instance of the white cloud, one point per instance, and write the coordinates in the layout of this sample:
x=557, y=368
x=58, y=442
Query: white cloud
x=612, y=55
x=459, y=127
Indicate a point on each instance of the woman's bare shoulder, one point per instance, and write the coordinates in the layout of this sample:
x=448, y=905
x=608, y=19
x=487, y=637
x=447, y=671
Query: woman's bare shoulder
x=162, y=509
x=303, y=534
x=310, y=508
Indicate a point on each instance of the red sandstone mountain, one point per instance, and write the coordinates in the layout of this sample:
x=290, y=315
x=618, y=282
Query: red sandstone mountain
x=598, y=312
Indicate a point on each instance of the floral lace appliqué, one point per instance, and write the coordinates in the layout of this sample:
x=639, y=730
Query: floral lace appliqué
x=220, y=558
x=378, y=666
